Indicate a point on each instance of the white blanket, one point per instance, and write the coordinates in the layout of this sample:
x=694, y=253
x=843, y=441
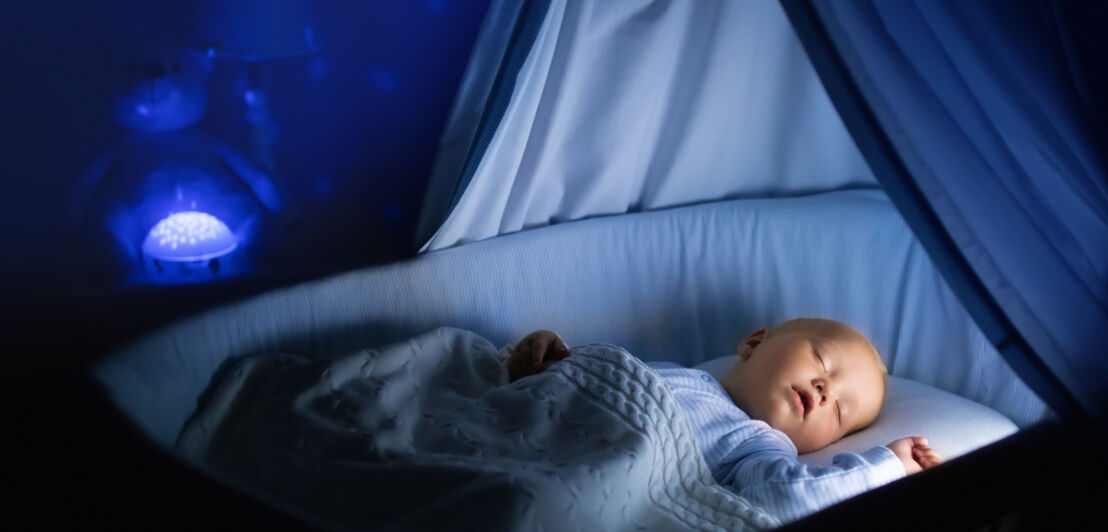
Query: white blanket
x=427, y=434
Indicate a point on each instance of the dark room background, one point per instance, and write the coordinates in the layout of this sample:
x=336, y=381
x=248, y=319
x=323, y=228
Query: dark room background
x=354, y=122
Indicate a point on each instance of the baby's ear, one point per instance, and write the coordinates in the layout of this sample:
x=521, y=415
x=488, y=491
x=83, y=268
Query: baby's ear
x=752, y=341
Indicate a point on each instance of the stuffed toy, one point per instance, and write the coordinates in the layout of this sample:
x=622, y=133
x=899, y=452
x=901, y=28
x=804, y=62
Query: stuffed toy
x=222, y=204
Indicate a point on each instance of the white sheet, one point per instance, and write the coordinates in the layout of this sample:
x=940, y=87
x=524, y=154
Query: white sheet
x=637, y=105
x=428, y=434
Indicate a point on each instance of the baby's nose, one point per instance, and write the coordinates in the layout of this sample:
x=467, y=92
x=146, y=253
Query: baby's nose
x=822, y=392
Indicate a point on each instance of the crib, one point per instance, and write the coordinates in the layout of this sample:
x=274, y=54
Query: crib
x=558, y=203
x=682, y=285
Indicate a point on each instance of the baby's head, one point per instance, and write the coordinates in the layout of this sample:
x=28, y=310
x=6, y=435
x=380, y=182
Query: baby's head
x=815, y=380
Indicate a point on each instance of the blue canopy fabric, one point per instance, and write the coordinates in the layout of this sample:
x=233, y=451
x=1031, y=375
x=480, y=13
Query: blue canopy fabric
x=982, y=134
x=506, y=36
x=980, y=120
x=621, y=107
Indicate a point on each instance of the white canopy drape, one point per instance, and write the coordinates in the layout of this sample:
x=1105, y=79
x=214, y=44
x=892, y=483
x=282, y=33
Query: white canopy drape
x=639, y=105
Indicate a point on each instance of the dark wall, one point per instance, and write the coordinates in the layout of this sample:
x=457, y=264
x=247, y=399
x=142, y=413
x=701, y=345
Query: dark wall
x=358, y=125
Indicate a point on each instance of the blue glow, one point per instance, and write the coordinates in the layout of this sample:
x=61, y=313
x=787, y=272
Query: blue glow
x=317, y=69
x=309, y=37
x=383, y=80
x=189, y=236
x=436, y=6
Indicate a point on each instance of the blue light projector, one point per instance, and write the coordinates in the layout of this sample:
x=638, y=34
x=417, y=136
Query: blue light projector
x=189, y=237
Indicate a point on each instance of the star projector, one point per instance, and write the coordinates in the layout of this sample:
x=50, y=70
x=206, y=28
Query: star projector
x=190, y=236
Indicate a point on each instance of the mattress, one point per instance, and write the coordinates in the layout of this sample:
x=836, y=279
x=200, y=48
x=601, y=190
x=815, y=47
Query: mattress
x=685, y=285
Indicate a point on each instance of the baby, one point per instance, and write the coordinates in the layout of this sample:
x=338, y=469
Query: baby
x=799, y=388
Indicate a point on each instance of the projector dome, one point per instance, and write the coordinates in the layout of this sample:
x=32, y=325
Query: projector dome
x=189, y=236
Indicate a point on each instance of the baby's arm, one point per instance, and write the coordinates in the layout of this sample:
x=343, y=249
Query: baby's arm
x=534, y=352
x=764, y=469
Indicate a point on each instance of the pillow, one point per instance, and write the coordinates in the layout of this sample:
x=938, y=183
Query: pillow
x=952, y=424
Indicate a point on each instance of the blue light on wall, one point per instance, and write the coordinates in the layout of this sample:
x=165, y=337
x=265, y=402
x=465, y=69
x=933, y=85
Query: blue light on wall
x=265, y=115
x=189, y=236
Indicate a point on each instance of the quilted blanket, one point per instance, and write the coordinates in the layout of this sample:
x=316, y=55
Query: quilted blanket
x=428, y=434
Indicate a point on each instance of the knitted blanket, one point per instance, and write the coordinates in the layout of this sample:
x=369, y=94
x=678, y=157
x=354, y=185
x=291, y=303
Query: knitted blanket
x=428, y=434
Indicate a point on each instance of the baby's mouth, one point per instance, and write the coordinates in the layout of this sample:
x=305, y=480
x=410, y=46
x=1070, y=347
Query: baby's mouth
x=805, y=400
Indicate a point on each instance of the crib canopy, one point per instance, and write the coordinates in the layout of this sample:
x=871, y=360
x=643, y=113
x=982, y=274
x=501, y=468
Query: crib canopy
x=976, y=118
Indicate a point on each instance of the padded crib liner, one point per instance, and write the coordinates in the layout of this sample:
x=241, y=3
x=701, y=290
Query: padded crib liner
x=685, y=284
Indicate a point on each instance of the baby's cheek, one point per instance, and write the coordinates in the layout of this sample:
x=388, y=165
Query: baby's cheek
x=777, y=418
x=813, y=438
x=796, y=434
x=804, y=443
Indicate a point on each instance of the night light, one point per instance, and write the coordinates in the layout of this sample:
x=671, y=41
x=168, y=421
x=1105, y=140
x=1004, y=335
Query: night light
x=189, y=236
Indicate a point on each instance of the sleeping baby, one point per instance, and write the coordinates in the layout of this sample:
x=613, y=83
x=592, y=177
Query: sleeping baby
x=800, y=387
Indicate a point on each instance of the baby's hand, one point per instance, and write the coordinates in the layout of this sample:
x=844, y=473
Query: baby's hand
x=914, y=454
x=530, y=353
x=926, y=457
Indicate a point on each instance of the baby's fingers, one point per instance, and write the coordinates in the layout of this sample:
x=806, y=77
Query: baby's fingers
x=932, y=454
x=538, y=348
x=928, y=457
x=524, y=356
x=558, y=350
x=928, y=463
x=514, y=369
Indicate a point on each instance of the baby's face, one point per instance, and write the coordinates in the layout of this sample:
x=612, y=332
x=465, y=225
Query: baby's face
x=816, y=382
